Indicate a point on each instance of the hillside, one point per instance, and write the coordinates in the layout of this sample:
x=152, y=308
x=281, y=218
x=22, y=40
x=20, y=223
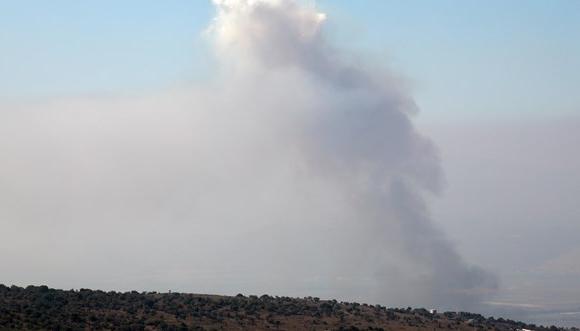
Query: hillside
x=42, y=308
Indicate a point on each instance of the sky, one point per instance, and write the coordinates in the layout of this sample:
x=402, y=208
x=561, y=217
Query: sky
x=465, y=61
x=497, y=90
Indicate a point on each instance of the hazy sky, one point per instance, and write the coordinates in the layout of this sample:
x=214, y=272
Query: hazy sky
x=465, y=60
x=496, y=85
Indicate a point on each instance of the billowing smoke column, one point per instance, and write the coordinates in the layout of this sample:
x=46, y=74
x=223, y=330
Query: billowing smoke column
x=356, y=134
x=297, y=172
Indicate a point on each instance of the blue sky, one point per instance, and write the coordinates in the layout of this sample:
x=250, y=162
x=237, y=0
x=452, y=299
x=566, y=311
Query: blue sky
x=462, y=59
x=67, y=47
x=470, y=59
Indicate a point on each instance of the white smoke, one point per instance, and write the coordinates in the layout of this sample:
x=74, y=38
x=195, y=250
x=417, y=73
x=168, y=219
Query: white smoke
x=298, y=171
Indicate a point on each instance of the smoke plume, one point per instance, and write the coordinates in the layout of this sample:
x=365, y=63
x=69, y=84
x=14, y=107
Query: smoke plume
x=297, y=171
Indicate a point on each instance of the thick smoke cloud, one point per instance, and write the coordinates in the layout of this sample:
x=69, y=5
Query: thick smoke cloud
x=297, y=171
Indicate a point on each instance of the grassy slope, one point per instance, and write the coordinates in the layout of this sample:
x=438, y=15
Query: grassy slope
x=38, y=307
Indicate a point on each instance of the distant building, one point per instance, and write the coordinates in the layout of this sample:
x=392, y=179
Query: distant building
x=433, y=311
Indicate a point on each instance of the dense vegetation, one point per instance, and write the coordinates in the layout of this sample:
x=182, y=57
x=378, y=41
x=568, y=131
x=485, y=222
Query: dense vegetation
x=42, y=308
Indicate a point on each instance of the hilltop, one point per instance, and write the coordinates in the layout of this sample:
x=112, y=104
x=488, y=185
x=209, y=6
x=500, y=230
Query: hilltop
x=43, y=308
